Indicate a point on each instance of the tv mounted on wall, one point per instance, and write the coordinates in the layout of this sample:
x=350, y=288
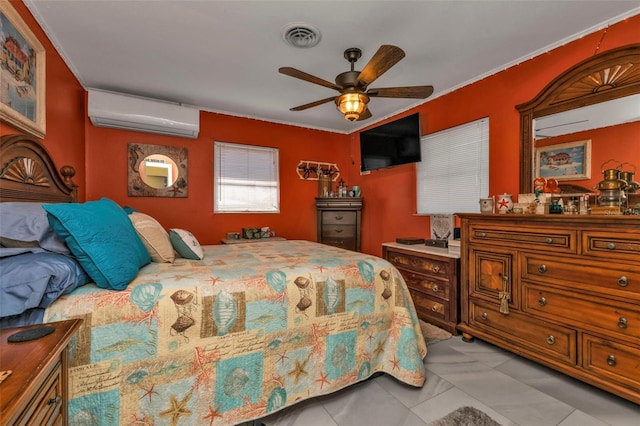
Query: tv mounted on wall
x=391, y=144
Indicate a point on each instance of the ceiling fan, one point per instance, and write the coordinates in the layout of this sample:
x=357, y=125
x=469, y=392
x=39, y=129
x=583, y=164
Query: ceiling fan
x=353, y=85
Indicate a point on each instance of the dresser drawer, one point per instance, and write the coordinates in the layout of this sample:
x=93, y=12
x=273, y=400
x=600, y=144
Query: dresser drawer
x=612, y=245
x=339, y=217
x=426, y=283
x=427, y=307
x=419, y=264
x=551, y=239
x=591, y=313
x=341, y=242
x=603, y=277
x=340, y=231
x=45, y=407
x=612, y=361
x=535, y=335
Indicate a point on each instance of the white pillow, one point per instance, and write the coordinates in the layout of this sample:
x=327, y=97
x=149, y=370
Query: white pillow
x=154, y=237
x=186, y=244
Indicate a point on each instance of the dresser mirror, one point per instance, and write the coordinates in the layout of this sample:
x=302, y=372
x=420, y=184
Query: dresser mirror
x=157, y=171
x=584, y=97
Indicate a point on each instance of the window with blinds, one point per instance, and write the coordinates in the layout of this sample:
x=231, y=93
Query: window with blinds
x=246, y=179
x=454, y=172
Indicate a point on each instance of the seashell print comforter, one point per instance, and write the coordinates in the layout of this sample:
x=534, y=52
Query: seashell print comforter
x=247, y=331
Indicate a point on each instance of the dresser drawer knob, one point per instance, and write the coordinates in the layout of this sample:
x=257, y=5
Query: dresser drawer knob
x=435, y=288
x=549, y=240
x=542, y=268
x=338, y=231
x=611, y=246
x=482, y=234
x=338, y=217
x=542, y=301
x=484, y=315
x=54, y=401
x=611, y=360
x=436, y=269
x=622, y=322
x=435, y=308
x=551, y=340
x=623, y=281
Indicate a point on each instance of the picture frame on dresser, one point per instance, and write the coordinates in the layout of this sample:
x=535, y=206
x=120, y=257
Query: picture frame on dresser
x=22, y=71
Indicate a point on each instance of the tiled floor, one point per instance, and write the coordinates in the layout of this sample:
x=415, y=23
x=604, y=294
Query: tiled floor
x=511, y=389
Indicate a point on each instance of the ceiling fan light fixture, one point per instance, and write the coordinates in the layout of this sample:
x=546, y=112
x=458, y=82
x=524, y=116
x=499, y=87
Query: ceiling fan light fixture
x=351, y=105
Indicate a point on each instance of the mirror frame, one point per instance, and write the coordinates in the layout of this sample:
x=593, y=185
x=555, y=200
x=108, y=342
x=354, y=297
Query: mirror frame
x=138, y=188
x=609, y=75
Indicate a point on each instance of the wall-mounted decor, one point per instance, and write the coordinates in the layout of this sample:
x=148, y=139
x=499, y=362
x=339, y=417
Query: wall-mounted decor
x=22, y=74
x=311, y=170
x=157, y=171
x=565, y=161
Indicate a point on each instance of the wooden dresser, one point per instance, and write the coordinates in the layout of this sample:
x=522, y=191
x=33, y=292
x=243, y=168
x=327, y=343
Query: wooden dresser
x=339, y=222
x=432, y=277
x=561, y=290
x=35, y=393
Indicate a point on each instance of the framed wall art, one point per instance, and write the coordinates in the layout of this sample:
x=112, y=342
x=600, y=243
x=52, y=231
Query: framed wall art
x=22, y=74
x=157, y=171
x=565, y=161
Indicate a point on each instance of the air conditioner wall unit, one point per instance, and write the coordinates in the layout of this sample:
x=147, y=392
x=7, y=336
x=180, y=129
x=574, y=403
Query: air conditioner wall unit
x=120, y=111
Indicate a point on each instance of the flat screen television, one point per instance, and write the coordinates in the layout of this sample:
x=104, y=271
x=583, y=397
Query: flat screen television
x=391, y=144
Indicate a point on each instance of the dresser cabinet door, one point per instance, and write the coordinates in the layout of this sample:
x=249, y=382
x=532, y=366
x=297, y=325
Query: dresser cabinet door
x=492, y=275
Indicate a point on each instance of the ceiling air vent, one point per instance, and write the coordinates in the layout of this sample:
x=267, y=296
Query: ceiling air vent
x=301, y=35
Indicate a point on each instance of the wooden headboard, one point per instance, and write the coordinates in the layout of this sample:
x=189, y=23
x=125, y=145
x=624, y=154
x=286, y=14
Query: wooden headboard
x=27, y=173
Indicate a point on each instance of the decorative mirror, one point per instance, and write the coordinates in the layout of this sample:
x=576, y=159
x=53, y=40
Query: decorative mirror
x=157, y=171
x=605, y=77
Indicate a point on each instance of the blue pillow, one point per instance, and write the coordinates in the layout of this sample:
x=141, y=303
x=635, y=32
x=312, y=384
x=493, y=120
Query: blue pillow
x=27, y=222
x=35, y=280
x=101, y=236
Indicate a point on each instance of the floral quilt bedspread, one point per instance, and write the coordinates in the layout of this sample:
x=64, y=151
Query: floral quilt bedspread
x=247, y=331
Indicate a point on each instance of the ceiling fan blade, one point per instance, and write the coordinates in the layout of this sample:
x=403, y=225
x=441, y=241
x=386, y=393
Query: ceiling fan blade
x=312, y=104
x=413, y=92
x=292, y=72
x=365, y=115
x=386, y=57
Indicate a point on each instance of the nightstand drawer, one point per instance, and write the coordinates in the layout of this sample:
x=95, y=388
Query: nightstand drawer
x=426, y=283
x=419, y=264
x=427, y=307
x=45, y=407
x=338, y=218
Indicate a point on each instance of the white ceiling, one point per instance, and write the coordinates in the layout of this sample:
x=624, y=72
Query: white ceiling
x=223, y=56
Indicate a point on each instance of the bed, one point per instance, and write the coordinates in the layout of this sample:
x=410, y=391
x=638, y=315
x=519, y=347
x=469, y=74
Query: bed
x=245, y=331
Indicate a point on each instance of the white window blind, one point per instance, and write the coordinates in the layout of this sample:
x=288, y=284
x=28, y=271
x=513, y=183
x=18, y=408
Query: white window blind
x=246, y=179
x=454, y=172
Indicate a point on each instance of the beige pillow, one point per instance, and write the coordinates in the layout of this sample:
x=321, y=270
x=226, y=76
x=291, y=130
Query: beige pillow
x=154, y=237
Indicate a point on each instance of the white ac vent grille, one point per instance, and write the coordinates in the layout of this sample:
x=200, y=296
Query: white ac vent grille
x=301, y=35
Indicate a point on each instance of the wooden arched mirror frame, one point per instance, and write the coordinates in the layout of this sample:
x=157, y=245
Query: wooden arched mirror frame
x=609, y=75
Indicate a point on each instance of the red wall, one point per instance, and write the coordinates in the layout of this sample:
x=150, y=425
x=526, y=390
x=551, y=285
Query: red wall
x=100, y=157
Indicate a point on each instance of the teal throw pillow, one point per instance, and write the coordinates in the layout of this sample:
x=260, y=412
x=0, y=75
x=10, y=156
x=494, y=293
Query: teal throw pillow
x=102, y=238
x=185, y=244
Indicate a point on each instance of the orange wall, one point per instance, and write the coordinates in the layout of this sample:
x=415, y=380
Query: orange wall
x=64, y=106
x=99, y=155
x=389, y=195
x=107, y=175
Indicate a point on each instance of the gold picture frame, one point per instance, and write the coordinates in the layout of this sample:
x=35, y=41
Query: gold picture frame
x=22, y=68
x=564, y=161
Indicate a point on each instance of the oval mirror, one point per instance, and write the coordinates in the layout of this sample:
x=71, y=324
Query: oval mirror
x=158, y=171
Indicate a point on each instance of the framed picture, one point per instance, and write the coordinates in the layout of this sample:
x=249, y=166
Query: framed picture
x=565, y=161
x=442, y=226
x=22, y=74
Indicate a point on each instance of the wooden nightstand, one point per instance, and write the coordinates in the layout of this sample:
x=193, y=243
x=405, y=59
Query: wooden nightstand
x=36, y=391
x=432, y=275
